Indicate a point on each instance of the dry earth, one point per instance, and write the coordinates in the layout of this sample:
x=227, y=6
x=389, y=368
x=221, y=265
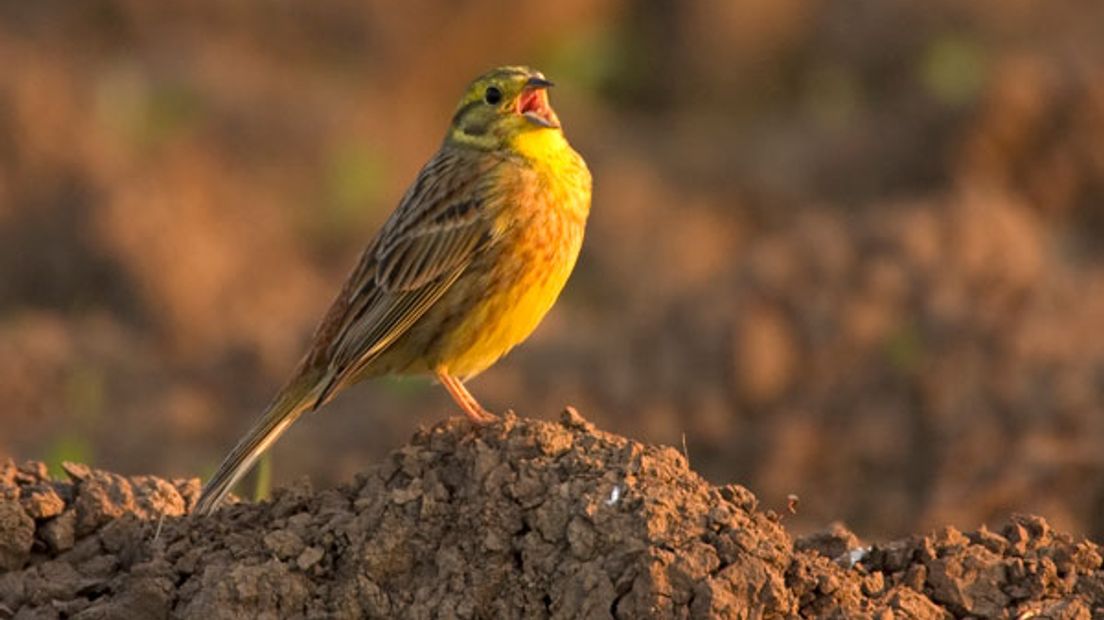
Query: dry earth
x=519, y=519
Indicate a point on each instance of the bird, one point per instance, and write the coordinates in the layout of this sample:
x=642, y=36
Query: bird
x=465, y=268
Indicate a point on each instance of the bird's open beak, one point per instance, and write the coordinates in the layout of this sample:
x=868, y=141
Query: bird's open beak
x=533, y=103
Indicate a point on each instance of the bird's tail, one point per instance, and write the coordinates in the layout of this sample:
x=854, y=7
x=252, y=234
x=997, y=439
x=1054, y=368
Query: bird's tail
x=296, y=397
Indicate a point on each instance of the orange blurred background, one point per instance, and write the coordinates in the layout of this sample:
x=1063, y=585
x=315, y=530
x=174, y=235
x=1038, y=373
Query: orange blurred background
x=852, y=251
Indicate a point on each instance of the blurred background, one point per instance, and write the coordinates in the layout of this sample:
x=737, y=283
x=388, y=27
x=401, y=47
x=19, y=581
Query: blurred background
x=850, y=250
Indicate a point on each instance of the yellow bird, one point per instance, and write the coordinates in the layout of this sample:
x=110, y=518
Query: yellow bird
x=465, y=268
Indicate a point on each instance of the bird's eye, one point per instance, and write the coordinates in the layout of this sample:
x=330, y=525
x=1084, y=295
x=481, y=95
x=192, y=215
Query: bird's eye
x=492, y=96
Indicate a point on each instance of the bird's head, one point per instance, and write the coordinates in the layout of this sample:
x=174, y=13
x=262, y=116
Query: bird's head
x=501, y=106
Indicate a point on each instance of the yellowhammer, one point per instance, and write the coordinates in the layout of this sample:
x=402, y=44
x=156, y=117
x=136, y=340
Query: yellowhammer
x=464, y=269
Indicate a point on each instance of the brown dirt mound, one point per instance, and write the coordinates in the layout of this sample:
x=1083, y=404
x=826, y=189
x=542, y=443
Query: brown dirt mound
x=520, y=519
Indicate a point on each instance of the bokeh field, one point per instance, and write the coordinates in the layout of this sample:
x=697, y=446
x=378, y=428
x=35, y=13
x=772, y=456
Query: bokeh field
x=848, y=250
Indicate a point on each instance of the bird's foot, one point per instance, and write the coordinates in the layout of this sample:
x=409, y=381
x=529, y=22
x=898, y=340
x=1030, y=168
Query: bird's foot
x=479, y=416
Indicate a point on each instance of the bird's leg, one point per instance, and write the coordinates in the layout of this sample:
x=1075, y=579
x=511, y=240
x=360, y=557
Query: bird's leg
x=463, y=397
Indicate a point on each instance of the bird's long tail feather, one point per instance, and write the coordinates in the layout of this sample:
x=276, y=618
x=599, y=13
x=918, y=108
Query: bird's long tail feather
x=297, y=397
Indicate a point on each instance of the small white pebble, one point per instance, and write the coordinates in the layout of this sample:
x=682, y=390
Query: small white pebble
x=615, y=495
x=856, y=555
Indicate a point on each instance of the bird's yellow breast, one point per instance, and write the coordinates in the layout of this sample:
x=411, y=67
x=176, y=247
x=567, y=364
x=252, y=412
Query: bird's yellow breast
x=541, y=223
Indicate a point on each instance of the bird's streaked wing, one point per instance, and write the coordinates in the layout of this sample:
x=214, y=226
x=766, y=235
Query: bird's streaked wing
x=439, y=226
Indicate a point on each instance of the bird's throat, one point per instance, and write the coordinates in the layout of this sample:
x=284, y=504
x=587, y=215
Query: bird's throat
x=543, y=146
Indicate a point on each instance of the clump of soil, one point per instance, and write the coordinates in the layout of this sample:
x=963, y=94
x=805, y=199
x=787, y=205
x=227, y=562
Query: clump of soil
x=518, y=519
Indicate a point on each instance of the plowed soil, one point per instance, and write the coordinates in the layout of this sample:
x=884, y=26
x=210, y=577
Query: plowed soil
x=520, y=519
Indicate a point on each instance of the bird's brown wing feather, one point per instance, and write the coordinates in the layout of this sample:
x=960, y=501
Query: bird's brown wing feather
x=440, y=224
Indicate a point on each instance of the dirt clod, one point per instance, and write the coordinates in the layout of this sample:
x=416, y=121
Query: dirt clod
x=16, y=535
x=521, y=518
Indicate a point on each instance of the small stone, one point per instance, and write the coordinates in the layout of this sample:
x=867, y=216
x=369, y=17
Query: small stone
x=571, y=418
x=17, y=530
x=309, y=557
x=407, y=494
x=832, y=543
x=76, y=471
x=990, y=540
x=60, y=533
x=41, y=501
x=285, y=544
x=581, y=539
x=12, y=588
x=741, y=496
x=873, y=584
x=33, y=472
x=909, y=604
x=915, y=577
